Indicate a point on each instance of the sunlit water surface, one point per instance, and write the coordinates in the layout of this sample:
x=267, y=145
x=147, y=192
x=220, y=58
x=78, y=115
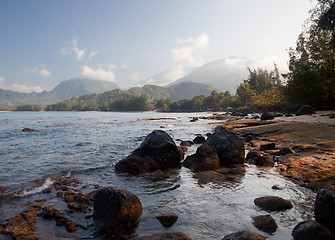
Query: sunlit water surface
x=87, y=145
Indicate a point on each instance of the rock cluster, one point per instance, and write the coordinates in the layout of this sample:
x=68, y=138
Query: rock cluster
x=157, y=151
x=222, y=148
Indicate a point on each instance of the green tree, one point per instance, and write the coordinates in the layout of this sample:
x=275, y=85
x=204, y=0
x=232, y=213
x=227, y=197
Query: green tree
x=311, y=76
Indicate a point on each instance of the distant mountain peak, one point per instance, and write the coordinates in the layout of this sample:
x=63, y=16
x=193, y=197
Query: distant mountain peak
x=224, y=74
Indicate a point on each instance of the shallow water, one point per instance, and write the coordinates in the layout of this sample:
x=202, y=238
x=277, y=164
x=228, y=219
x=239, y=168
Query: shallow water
x=87, y=145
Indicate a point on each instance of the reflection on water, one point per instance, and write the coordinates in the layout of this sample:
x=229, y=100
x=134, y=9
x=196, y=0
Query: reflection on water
x=87, y=146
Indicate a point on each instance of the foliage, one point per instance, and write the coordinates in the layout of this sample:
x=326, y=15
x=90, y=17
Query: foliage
x=29, y=107
x=270, y=99
x=258, y=84
x=311, y=76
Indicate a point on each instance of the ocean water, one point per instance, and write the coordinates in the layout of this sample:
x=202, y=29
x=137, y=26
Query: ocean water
x=87, y=145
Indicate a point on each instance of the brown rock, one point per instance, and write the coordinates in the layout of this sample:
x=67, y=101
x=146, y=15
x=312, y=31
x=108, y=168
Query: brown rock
x=167, y=220
x=244, y=235
x=186, y=143
x=265, y=223
x=28, y=130
x=264, y=161
x=273, y=203
x=115, y=211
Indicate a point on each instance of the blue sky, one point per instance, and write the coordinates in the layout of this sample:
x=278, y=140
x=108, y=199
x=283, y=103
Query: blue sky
x=127, y=41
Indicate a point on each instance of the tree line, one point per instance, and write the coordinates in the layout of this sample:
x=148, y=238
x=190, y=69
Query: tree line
x=310, y=80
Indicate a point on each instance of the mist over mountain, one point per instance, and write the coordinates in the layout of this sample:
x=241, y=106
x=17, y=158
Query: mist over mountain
x=184, y=90
x=224, y=74
x=165, y=77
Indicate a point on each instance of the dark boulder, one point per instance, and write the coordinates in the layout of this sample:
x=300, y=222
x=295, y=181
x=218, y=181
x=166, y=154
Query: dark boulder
x=267, y=116
x=268, y=146
x=205, y=158
x=159, y=151
x=164, y=236
x=252, y=155
x=199, y=139
x=311, y=230
x=324, y=209
x=167, y=220
x=285, y=151
x=115, y=212
x=304, y=110
x=332, y=115
x=133, y=165
x=273, y=203
x=265, y=223
x=244, y=235
x=228, y=146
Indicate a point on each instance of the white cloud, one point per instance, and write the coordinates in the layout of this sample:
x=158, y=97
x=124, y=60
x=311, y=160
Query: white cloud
x=24, y=88
x=98, y=74
x=2, y=82
x=192, y=50
x=44, y=72
x=18, y=87
x=79, y=53
x=41, y=70
x=124, y=66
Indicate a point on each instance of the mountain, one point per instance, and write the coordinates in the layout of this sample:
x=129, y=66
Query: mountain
x=225, y=74
x=183, y=90
x=64, y=90
x=81, y=86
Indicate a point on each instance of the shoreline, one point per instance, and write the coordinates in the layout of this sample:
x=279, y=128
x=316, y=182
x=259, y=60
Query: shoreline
x=311, y=139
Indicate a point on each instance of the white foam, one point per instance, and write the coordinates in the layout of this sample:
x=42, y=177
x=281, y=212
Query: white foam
x=48, y=182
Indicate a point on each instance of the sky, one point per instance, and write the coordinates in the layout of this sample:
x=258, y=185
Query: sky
x=127, y=41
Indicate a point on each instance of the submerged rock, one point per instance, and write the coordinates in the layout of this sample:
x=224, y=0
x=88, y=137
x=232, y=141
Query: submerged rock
x=167, y=220
x=28, y=130
x=273, y=203
x=205, y=158
x=157, y=151
x=244, y=235
x=228, y=146
x=199, y=139
x=115, y=212
x=311, y=230
x=133, y=165
x=265, y=223
x=164, y=236
x=324, y=209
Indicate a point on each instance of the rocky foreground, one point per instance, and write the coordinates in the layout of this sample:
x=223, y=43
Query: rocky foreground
x=303, y=152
